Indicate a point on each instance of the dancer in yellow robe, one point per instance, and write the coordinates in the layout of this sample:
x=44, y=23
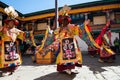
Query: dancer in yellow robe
x=65, y=46
x=10, y=57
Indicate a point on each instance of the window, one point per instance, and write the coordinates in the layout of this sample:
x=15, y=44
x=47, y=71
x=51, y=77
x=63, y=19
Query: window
x=42, y=26
x=77, y=15
x=73, y=16
x=99, y=20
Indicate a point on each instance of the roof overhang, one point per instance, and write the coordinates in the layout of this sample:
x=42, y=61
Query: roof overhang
x=74, y=11
x=82, y=9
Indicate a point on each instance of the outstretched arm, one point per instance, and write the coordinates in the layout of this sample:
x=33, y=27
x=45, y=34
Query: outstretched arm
x=99, y=38
x=86, y=34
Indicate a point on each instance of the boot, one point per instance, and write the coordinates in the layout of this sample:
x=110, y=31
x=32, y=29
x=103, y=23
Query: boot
x=6, y=74
x=100, y=60
x=68, y=71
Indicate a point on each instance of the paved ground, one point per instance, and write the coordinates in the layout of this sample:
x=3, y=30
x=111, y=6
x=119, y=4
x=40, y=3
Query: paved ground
x=91, y=70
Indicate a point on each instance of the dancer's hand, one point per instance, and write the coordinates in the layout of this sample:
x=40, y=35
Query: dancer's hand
x=108, y=23
x=87, y=22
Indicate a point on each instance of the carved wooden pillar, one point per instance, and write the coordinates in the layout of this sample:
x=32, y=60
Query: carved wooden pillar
x=1, y=17
x=86, y=16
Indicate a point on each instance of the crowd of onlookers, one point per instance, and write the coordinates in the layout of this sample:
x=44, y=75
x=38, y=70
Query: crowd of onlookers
x=117, y=45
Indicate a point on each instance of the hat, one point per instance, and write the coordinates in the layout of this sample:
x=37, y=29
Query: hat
x=64, y=14
x=12, y=14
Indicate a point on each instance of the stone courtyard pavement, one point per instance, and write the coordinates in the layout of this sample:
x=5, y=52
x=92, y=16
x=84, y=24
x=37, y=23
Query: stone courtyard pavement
x=91, y=70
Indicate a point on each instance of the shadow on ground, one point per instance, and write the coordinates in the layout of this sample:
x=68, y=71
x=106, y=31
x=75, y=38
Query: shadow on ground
x=57, y=76
x=91, y=62
x=95, y=66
